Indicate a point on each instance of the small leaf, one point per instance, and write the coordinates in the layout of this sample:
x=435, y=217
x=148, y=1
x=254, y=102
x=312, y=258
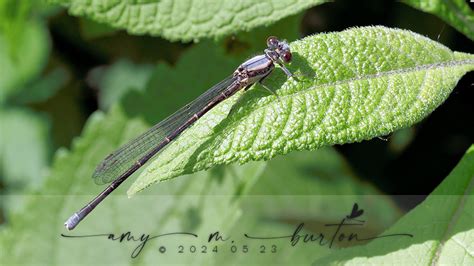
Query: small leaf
x=24, y=49
x=24, y=148
x=368, y=82
x=456, y=13
x=187, y=20
x=401, y=139
x=43, y=88
x=441, y=225
x=116, y=80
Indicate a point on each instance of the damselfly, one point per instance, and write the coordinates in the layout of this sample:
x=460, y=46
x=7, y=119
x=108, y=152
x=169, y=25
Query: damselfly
x=122, y=163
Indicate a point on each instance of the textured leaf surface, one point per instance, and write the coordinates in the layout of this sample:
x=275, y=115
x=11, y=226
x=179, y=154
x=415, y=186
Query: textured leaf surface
x=442, y=227
x=457, y=13
x=186, y=20
x=363, y=83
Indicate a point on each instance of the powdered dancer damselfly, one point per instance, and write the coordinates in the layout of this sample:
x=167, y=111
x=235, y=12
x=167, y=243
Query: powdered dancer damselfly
x=122, y=163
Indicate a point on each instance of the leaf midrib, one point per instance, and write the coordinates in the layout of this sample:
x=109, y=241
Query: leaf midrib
x=425, y=67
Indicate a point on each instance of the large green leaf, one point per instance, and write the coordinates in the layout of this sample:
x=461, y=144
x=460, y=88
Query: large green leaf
x=456, y=13
x=358, y=84
x=442, y=228
x=186, y=20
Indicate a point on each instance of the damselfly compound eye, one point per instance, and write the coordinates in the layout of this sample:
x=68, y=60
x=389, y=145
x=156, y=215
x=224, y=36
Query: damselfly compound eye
x=286, y=56
x=272, y=42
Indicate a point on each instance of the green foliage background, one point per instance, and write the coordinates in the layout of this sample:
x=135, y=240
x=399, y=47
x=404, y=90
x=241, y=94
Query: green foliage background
x=80, y=78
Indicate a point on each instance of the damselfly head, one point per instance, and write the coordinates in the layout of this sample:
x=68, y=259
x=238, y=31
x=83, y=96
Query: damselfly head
x=281, y=48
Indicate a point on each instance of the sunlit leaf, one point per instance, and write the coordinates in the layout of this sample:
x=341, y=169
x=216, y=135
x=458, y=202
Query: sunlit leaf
x=363, y=83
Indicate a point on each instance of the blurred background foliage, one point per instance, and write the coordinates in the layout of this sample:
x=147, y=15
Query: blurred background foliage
x=58, y=71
